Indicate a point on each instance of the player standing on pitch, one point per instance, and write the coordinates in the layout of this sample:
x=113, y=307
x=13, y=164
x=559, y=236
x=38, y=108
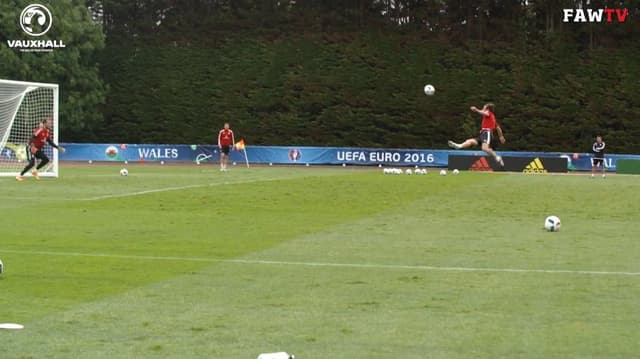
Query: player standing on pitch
x=598, y=157
x=225, y=143
x=489, y=123
x=41, y=135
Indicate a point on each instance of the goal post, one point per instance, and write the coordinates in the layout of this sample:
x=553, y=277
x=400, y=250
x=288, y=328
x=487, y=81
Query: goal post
x=23, y=106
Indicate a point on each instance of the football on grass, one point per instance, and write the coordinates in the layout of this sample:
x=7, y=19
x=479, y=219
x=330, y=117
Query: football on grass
x=552, y=224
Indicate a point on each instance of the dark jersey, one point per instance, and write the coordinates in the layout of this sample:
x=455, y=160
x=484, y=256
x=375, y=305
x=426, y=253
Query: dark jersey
x=598, y=149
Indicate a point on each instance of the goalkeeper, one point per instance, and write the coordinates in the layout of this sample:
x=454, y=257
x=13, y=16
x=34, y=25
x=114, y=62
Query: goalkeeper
x=41, y=135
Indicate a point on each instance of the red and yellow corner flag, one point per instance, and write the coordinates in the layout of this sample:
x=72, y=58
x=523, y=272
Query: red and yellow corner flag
x=240, y=145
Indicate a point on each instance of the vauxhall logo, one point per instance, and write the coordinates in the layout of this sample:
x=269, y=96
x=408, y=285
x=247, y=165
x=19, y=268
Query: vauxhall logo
x=35, y=20
x=36, y=15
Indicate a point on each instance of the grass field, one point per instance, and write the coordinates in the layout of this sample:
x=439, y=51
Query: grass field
x=188, y=262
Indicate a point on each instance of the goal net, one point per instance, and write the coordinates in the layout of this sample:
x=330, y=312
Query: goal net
x=23, y=106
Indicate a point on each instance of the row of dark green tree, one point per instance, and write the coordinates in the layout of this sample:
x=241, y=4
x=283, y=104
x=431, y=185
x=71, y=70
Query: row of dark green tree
x=338, y=72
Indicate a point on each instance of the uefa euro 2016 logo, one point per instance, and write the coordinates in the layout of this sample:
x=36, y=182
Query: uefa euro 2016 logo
x=294, y=155
x=36, y=20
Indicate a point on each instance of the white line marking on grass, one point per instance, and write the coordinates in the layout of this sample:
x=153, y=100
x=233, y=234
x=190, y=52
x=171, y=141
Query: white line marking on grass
x=325, y=264
x=168, y=189
x=146, y=174
x=433, y=268
x=149, y=191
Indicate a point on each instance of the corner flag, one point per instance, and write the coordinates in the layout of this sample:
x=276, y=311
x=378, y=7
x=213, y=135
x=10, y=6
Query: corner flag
x=240, y=147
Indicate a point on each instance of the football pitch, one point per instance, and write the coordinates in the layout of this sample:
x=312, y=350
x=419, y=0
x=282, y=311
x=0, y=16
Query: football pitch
x=188, y=262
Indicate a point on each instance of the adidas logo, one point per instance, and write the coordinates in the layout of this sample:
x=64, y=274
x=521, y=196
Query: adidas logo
x=535, y=166
x=481, y=165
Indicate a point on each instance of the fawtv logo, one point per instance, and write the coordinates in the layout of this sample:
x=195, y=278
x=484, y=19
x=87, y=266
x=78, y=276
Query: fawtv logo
x=595, y=15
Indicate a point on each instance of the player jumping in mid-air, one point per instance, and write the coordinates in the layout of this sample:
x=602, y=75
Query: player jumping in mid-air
x=598, y=157
x=41, y=135
x=225, y=143
x=489, y=123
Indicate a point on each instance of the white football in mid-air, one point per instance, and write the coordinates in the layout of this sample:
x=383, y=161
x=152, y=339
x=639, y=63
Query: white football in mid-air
x=552, y=224
x=124, y=172
x=443, y=172
x=429, y=90
x=455, y=171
